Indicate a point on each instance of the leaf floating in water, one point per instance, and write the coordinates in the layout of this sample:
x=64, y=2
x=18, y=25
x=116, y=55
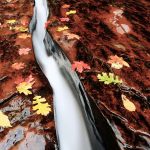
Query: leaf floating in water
x=4, y=121
x=24, y=87
x=108, y=79
x=128, y=104
x=80, y=66
x=117, y=62
x=71, y=12
x=62, y=28
x=40, y=106
x=18, y=66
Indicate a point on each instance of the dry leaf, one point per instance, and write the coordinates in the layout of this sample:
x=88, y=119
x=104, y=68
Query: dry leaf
x=24, y=51
x=62, y=28
x=117, y=62
x=4, y=121
x=18, y=66
x=11, y=22
x=41, y=106
x=71, y=36
x=71, y=12
x=24, y=36
x=24, y=87
x=65, y=6
x=80, y=66
x=64, y=19
x=30, y=79
x=127, y=103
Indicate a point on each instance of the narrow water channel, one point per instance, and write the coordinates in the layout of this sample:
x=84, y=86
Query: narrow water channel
x=73, y=116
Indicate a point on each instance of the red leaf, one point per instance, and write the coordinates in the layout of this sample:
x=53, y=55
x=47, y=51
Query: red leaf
x=65, y=6
x=80, y=66
x=64, y=19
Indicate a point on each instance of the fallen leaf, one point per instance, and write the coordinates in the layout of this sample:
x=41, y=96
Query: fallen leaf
x=24, y=51
x=71, y=12
x=65, y=6
x=117, y=62
x=71, y=36
x=11, y=22
x=128, y=104
x=18, y=66
x=62, y=28
x=80, y=66
x=30, y=79
x=24, y=87
x=40, y=106
x=64, y=19
x=21, y=29
x=4, y=121
x=24, y=36
x=109, y=78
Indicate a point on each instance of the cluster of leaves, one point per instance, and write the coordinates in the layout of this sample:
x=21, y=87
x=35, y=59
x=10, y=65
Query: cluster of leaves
x=117, y=62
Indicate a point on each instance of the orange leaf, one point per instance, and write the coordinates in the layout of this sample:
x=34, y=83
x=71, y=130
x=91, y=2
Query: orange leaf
x=18, y=66
x=80, y=66
x=65, y=6
x=117, y=62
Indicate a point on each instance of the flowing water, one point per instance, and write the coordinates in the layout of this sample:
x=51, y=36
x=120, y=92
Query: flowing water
x=73, y=117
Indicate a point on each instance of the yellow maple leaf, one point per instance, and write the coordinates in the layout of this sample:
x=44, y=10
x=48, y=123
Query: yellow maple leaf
x=40, y=106
x=71, y=12
x=24, y=87
x=127, y=103
x=4, y=121
x=12, y=21
x=21, y=29
x=62, y=28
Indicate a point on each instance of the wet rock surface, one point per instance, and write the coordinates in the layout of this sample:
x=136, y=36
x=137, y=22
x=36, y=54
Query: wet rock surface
x=109, y=28
x=29, y=130
x=105, y=28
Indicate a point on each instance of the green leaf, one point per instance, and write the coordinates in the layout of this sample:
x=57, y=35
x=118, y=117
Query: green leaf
x=109, y=78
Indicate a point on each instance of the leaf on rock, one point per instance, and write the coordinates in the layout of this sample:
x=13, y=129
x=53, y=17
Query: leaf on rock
x=117, y=62
x=21, y=29
x=71, y=36
x=24, y=51
x=24, y=36
x=71, y=12
x=80, y=66
x=109, y=78
x=11, y=22
x=24, y=87
x=64, y=19
x=4, y=121
x=62, y=28
x=40, y=106
x=18, y=66
x=128, y=104
x=65, y=6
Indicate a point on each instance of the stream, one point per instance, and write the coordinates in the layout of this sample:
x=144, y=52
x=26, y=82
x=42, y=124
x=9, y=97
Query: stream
x=74, y=120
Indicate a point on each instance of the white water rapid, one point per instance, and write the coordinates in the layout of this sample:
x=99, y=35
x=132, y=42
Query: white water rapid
x=73, y=118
